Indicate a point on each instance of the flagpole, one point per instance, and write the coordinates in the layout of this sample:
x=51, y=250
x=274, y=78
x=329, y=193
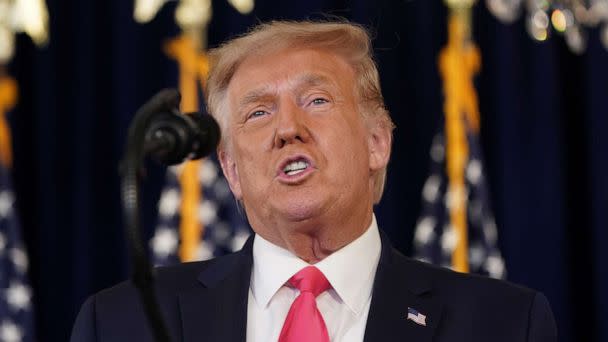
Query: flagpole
x=459, y=61
x=188, y=50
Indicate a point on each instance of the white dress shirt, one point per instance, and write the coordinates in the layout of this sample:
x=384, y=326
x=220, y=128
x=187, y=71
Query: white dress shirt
x=350, y=271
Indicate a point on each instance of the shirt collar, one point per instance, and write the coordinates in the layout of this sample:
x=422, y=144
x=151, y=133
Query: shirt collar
x=350, y=270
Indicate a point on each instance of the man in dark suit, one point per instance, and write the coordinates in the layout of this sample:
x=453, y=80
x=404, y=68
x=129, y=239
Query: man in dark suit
x=306, y=143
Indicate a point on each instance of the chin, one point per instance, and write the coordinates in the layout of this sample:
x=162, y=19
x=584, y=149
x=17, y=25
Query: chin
x=299, y=211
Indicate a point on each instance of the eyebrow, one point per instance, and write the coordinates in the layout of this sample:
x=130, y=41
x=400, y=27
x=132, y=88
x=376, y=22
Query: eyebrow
x=312, y=80
x=302, y=82
x=254, y=96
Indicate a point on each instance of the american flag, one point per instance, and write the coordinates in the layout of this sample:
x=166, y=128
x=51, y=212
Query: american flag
x=434, y=239
x=416, y=317
x=225, y=228
x=16, y=309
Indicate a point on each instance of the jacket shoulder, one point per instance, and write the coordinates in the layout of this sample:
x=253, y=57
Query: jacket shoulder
x=116, y=313
x=447, y=281
x=170, y=280
x=490, y=305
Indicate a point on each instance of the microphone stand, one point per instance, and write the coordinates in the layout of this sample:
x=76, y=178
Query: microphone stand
x=132, y=163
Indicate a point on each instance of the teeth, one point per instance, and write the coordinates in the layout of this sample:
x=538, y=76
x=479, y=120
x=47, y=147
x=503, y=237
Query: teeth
x=291, y=173
x=295, y=167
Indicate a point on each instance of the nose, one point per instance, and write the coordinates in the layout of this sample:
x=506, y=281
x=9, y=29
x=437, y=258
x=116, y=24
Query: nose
x=291, y=125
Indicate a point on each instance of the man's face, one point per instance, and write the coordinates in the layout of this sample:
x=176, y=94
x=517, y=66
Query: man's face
x=298, y=149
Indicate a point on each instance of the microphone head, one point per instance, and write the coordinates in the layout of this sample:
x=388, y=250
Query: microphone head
x=173, y=137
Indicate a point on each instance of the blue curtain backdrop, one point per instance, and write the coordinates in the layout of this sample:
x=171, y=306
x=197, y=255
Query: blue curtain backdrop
x=544, y=121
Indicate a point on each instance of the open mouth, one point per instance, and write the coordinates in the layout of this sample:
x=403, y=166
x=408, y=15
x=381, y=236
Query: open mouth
x=295, y=167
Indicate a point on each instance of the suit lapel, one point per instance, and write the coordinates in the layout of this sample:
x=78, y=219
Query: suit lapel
x=396, y=288
x=217, y=311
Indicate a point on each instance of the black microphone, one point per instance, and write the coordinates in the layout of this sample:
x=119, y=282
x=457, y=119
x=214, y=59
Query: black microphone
x=160, y=131
x=173, y=137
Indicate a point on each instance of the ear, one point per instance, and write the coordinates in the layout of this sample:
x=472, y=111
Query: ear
x=380, y=141
x=230, y=172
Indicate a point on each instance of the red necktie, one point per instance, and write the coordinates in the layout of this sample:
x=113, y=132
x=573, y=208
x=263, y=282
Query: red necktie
x=304, y=322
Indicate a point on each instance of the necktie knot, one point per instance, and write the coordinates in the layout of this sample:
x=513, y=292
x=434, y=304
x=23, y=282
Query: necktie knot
x=310, y=279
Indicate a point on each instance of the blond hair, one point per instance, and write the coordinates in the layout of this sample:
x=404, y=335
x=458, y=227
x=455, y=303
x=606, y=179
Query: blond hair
x=347, y=40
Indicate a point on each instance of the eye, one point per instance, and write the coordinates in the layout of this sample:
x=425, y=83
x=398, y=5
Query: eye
x=257, y=114
x=318, y=101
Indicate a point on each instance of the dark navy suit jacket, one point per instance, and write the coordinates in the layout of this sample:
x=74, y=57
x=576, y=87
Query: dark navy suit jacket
x=207, y=301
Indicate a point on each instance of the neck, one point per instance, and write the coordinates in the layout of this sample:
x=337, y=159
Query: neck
x=314, y=240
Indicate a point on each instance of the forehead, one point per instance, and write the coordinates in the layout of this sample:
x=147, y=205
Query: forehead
x=289, y=69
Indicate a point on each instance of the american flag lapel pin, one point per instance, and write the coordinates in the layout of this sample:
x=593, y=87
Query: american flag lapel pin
x=416, y=317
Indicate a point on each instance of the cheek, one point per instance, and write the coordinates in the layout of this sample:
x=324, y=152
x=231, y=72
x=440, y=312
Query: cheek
x=254, y=138
x=349, y=150
x=252, y=167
